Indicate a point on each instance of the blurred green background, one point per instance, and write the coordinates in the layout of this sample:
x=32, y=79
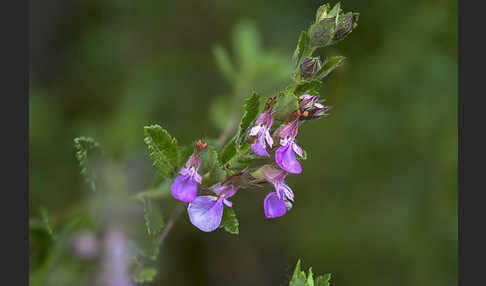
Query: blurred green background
x=376, y=203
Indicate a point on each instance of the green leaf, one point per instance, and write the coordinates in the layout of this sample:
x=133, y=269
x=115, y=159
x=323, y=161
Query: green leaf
x=224, y=63
x=251, y=107
x=321, y=33
x=286, y=104
x=323, y=280
x=146, y=274
x=311, y=88
x=329, y=66
x=85, y=147
x=163, y=149
x=299, y=50
x=209, y=165
x=228, y=152
x=299, y=277
x=229, y=222
x=310, y=278
x=322, y=12
x=154, y=221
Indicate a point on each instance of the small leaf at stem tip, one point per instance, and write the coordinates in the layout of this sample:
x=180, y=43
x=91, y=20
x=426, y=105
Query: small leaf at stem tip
x=299, y=50
x=163, y=149
x=329, y=66
x=251, y=107
x=85, y=148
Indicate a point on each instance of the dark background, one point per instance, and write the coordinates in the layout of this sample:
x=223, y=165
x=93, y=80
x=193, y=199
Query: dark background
x=376, y=203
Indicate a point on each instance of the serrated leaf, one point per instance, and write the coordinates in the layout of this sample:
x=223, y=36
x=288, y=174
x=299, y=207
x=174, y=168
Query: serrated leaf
x=300, y=49
x=329, y=66
x=228, y=152
x=251, y=107
x=311, y=88
x=163, y=149
x=286, y=104
x=224, y=63
x=300, y=278
x=85, y=147
x=154, y=222
x=229, y=221
x=146, y=274
x=323, y=280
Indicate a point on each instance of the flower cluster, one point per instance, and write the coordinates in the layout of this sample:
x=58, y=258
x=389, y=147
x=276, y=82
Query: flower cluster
x=206, y=211
x=277, y=203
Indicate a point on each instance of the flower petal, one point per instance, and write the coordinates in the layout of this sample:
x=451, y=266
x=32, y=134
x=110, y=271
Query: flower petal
x=184, y=188
x=269, y=138
x=254, y=130
x=258, y=149
x=274, y=206
x=297, y=149
x=282, y=187
x=205, y=212
x=285, y=158
x=197, y=177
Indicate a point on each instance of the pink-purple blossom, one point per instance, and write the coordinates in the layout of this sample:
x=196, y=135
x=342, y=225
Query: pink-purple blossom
x=285, y=154
x=206, y=212
x=184, y=187
x=262, y=131
x=277, y=203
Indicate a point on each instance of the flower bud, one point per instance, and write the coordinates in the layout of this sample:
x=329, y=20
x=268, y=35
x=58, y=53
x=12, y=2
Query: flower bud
x=331, y=26
x=346, y=23
x=310, y=66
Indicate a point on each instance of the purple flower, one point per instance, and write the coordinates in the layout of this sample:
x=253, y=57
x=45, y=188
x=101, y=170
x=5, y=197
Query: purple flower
x=285, y=155
x=115, y=259
x=312, y=108
x=85, y=244
x=205, y=212
x=277, y=203
x=184, y=187
x=262, y=130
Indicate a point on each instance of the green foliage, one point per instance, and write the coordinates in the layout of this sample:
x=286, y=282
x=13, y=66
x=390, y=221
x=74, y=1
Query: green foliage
x=329, y=66
x=228, y=152
x=210, y=165
x=331, y=27
x=163, y=149
x=300, y=278
x=229, y=221
x=154, y=222
x=300, y=49
x=146, y=274
x=286, y=104
x=251, y=107
x=321, y=34
x=312, y=88
x=86, y=147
